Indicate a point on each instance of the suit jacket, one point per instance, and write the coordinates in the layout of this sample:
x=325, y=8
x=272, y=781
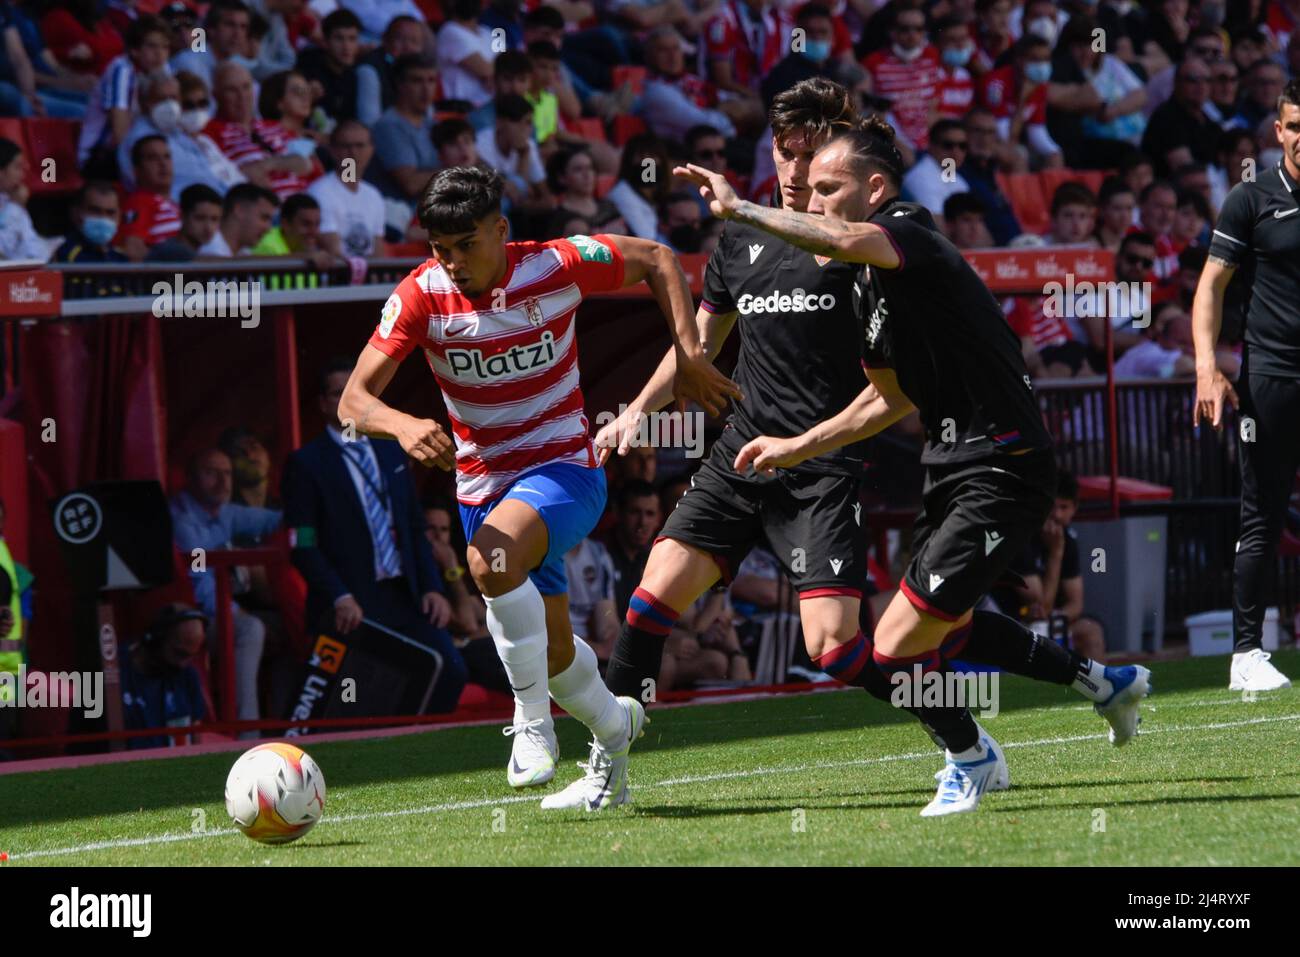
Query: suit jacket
x=332, y=547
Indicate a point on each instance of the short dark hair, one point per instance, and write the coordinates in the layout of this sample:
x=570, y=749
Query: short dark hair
x=1230, y=138
x=871, y=143
x=696, y=133
x=959, y=204
x=1190, y=197
x=220, y=7
x=1072, y=194
x=544, y=16
x=295, y=204
x=813, y=11
x=138, y=147
x=1026, y=43
x=1290, y=94
x=543, y=50
x=513, y=107
x=1111, y=187
x=635, y=488
x=140, y=28
x=244, y=194
x=9, y=150
x=815, y=107
x=272, y=92
x=196, y=194
x=450, y=130
x=412, y=61
x=1067, y=486
x=559, y=162
x=1138, y=238
x=340, y=19
x=456, y=199
x=512, y=63
x=93, y=186
x=1154, y=185
x=395, y=24
x=333, y=367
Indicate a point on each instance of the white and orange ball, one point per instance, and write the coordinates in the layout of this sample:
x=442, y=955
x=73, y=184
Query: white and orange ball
x=275, y=793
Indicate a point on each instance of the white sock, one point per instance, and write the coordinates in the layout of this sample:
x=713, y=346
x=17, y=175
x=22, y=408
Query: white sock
x=1091, y=681
x=973, y=753
x=517, y=623
x=578, y=690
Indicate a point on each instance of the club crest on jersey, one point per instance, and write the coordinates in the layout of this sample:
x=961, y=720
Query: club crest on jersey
x=592, y=250
x=472, y=364
x=533, y=309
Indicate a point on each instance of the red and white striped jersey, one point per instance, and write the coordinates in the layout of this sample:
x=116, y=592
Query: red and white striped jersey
x=506, y=361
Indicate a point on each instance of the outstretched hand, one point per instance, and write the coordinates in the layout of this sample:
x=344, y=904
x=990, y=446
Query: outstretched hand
x=714, y=189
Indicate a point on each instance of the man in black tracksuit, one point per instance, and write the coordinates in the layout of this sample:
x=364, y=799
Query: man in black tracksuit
x=1259, y=227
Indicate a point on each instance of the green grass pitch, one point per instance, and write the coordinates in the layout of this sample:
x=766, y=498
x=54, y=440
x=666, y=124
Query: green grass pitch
x=827, y=778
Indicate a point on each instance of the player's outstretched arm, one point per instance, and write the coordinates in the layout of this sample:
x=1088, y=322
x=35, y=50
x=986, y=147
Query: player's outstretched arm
x=423, y=439
x=847, y=242
x=695, y=379
x=877, y=407
x=1212, y=387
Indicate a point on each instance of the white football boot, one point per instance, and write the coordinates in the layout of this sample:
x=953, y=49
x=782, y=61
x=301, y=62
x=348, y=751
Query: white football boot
x=533, y=754
x=1131, y=683
x=1002, y=776
x=1252, y=671
x=963, y=783
x=604, y=780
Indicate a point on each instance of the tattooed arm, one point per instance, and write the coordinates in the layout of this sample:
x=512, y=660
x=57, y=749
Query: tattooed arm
x=1212, y=387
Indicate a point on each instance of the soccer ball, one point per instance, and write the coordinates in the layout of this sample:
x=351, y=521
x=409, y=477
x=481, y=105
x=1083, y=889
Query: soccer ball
x=275, y=793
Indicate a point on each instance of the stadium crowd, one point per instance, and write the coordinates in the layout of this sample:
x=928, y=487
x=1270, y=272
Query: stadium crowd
x=308, y=129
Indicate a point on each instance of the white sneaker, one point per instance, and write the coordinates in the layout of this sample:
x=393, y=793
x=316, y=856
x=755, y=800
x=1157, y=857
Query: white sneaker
x=533, y=754
x=963, y=783
x=604, y=781
x=1251, y=671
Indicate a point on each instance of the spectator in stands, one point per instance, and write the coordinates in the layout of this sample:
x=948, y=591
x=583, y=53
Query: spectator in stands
x=1225, y=90
x=637, y=521
x=376, y=84
x=251, y=463
x=1117, y=208
x=1158, y=206
x=956, y=88
x=813, y=58
x=265, y=151
x=710, y=233
x=963, y=217
x=707, y=147
x=96, y=214
x=1123, y=96
x=195, y=158
x=744, y=43
x=298, y=234
x=1128, y=34
x=465, y=54
x=286, y=98
x=32, y=81
x=993, y=35
x=1053, y=576
x=196, y=114
x=680, y=220
x=149, y=216
x=275, y=52
x=1233, y=155
x=377, y=16
x=331, y=69
x=468, y=610
x=1179, y=131
x=1264, y=82
x=1137, y=170
x=675, y=99
x=1169, y=28
x=1072, y=99
x=1133, y=301
x=639, y=16
x=1192, y=220
x=907, y=73
x=1016, y=96
x=454, y=139
x=980, y=173
x=1074, y=213
x=571, y=175
x=512, y=72
x=161, y=685
x=181, y=19
x=1249, y=46
x=352, y=210
x=226, y=39
x=592, y=614
x=81, y=37
x=200, y=220
x=1165, y=352
x=203, y=520
x=935, y=177
x=114, y=100
x=403, y=141
x=359, y=539
x=510, y=149
x=18, y=238
x=246, y=215
x=704, y=646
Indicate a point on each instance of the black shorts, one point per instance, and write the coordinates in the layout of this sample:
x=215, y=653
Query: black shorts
x=976, y=517
x=811, y=521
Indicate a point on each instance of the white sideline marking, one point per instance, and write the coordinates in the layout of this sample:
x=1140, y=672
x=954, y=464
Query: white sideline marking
x=668, y=782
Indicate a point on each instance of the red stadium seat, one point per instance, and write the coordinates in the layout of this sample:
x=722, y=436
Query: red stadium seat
x=629, y=74
x=626, y=127
x=11, y=128
x=57, y=140
x=1025, y=191
x=588, y=127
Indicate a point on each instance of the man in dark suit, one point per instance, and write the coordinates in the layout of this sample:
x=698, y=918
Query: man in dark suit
x=359, y=539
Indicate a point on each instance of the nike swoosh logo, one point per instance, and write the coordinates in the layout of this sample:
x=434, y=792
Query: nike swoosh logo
x=1283, y=214
x=524, y=688
x=514, y=766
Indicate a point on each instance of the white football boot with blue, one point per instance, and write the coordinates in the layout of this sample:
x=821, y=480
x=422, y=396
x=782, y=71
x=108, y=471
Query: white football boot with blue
x=1002, y=776
x=604, y=780
x=533, y=753
x=963, y=783
x=1129, y=684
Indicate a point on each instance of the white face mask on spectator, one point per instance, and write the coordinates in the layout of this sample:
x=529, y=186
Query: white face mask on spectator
x=907, y=54
x=192, y=121
x=166, y=115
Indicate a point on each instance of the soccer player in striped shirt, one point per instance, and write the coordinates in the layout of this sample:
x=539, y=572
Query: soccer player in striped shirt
x=496, y=322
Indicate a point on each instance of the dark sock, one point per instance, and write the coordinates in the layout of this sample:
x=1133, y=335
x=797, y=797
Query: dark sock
x=952, y=727
x=851, y=664
x=639, y=651
x=993, y=639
